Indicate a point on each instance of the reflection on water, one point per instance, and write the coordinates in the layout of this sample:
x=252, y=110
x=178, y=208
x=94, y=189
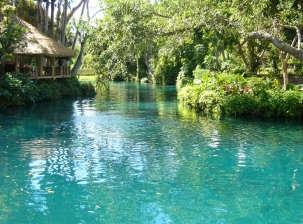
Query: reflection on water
x=134, y=155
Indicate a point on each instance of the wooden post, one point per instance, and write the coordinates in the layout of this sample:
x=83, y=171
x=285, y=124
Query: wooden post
x=52, y=61
x=52, y=64
x=39, y=59
x=53, y=71
x=17, y=64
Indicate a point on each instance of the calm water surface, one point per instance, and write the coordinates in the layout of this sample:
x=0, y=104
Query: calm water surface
x=134, y=155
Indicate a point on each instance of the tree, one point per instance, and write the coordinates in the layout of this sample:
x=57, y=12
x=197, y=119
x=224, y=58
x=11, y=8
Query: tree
x=125, y=34
x=10, y=33
x=237, y=30
x=269, y=20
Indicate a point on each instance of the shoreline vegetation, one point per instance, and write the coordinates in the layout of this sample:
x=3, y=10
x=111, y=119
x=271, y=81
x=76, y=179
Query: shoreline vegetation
x=235, y=95
x=19, y=91
x=208, y=93
x=223, y=59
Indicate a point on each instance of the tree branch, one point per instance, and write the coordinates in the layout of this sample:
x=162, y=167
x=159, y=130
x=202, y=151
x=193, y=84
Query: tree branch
x=71, y=13
x=278, y=44
x=101, y=10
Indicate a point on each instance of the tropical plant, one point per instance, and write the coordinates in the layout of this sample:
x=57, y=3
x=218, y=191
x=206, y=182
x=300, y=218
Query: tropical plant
x=10, y=33
x=235, y=95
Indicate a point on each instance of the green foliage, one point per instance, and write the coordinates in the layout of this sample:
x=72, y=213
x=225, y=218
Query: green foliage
x=211, y=63
x=179, y=37
x=238, y=104
x=124, y=37
x=20, y=91
x=182, y=79
x=10, y=32
x=166, y=71
x=199, y=73
x=87, y=90
x=89, y=61
x=291, y=104
x=236, y=95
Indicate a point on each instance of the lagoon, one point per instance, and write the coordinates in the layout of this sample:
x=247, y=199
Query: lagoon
x=133, y=154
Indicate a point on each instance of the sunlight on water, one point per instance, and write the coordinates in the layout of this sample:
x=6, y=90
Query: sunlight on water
x=134, y=155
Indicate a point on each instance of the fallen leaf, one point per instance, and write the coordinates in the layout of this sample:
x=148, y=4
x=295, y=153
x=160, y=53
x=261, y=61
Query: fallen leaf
x=50, y=191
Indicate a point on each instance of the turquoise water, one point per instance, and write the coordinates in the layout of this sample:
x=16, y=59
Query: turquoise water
x=134, y=155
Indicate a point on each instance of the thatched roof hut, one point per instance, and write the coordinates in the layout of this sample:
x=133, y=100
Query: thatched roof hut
x=38, y=43
x=42, y=47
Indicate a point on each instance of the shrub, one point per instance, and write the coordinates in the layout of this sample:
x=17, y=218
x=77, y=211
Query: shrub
x=87, y=89
x=240, y=104
x=291, y=104
x=236, y=95
x=182, y=80
x=166, y=72
x=209, y=101
x=211, y=63
x=198, y=72
x=20, y=91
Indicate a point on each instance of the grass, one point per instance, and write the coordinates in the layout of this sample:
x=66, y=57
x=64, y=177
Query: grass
x=87, y=78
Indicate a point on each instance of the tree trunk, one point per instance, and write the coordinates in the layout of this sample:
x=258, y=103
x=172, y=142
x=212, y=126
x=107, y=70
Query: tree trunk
x=278, y=44
x=298, y=30
x=46, y=18
x=223, y=50
x=138, y=67
x=52, y=25
x=77, y=32
x=84, y=38
x=148, y=57
x=39, y=16
x=64, y=23
x=58, y=30
x=284, y=69
x=71, y=13
x=241, y=53
x=79, y=59
x=216, y=54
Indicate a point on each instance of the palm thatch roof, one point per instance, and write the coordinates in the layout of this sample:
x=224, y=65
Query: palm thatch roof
x=38, y=43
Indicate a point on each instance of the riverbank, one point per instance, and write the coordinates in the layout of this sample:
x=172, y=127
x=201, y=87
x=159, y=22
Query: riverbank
x=228, y=94
x=18, y=90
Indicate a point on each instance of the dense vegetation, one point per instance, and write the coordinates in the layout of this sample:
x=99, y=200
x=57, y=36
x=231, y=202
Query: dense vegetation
x=242, y=49
x=219, y=93
x=20, y=90
x=160, y=40
x=169, y=41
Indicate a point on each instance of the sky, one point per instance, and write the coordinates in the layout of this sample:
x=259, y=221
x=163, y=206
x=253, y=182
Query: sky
x=93, y=6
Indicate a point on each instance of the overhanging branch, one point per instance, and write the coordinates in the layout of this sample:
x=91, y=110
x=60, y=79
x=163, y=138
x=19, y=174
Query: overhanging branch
x=278, y=44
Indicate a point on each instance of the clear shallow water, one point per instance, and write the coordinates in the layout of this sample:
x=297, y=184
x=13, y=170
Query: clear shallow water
x=133, y=155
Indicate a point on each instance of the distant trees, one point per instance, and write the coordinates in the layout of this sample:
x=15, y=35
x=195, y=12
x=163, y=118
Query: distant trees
x=123, y=39
x=140, y=37
x=163, y=40
x=59, y=25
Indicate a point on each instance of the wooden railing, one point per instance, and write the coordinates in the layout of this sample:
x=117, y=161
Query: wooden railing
x=48, y=72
